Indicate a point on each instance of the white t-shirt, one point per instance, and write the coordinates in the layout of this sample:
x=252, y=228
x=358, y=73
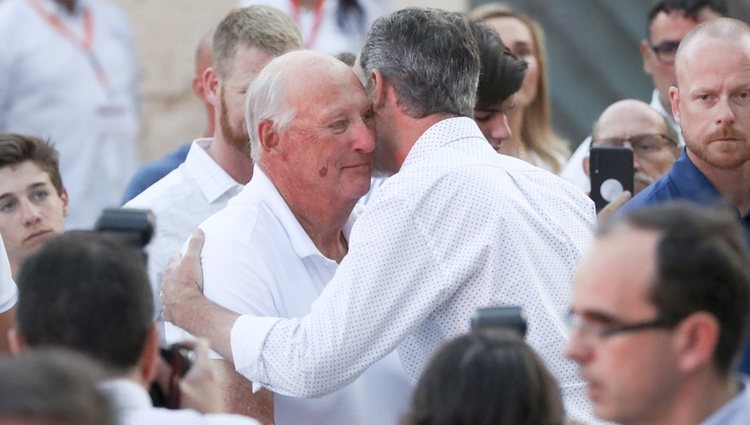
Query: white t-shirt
x=258, y=259
x=8, y=292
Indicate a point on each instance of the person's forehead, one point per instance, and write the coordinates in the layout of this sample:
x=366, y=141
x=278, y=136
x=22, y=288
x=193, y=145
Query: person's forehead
x=713, y=58
x=629, y=121
x=671, y=26
x=616, y=274
x=18, y=177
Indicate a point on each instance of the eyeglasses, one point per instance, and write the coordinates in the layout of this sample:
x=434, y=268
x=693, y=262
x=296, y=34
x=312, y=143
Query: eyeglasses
x=665, y=51
x=644, y=145
x=600, y=330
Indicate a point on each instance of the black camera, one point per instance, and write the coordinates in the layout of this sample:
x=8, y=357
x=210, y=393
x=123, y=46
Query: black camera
x=511, y=317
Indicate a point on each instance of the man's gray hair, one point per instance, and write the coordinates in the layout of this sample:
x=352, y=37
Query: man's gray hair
x=429, y=56
x=266, y=100
x=264, y=27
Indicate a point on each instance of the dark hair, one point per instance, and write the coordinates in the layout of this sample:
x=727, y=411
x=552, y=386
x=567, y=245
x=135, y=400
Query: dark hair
x=702, y=265
x=501, y=72
x=348, y=8
x=487, y=377
x=17, y=148
x=89, y=292
x=429, y=56
x=689, y=8
x=53, y=386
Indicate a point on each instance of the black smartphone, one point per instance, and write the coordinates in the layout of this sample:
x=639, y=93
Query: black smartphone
x=511, y=317
x=611, y=171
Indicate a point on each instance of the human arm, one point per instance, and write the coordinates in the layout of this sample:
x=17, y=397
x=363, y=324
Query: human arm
x=237, y=395
x=606, y=214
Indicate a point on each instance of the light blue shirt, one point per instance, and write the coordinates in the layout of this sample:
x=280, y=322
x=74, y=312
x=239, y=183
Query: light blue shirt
x=735, y=412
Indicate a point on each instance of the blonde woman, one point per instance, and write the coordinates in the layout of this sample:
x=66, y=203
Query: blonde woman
x=532, y=136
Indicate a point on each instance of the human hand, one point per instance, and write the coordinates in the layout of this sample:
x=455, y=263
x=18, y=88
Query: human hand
x=608, y=211
x=183, y=281
x=199, y=388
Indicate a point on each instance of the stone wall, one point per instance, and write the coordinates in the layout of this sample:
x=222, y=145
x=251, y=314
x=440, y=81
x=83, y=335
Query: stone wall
x=166, y=33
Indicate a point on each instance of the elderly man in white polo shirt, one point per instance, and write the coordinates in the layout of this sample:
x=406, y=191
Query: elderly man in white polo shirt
x=272, y=250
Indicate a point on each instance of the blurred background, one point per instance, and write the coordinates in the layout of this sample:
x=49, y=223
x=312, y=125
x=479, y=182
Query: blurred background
x=592, y=47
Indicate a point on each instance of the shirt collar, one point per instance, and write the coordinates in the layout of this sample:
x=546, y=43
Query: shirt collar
x=125, y=394
x=736, y=408
x=442, y=133
x=213, y=181
x=300, y=240
x=60, y=11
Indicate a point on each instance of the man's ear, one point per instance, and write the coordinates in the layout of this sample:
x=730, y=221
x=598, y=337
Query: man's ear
x=211, y=86
x=674, y=100
x=696, y=338
x=585, y=165
x=646, y=56
x=379, y=91
x=16, y=342
x=149, y=357
x=64, y=197
x=268, y=137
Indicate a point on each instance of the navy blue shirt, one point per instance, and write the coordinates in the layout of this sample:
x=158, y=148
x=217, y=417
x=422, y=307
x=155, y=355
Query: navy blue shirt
x=152, y=172
x=685, y=181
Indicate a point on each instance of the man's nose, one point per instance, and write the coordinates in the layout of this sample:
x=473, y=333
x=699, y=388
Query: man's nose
x=500, y=129
x=31, y=213
x=575, y=349
x=364, y=137
x=724, y=112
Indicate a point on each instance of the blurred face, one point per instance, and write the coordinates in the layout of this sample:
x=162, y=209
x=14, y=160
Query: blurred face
x=493, y=121
x=517, y=36
x=641, y=129
x=713, y=102
x=630, y=374
x=31, y=210
x=330, y=142
x=667, y=31
x=248, y=62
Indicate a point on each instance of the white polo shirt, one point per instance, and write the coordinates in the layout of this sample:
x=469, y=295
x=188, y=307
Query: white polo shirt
x=257, y=259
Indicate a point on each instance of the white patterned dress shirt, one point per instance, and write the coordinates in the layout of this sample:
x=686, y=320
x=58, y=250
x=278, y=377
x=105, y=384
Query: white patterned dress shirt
x=257, y=259
x=49, y=88
x=181, y=201
x=457, y=228
x=8, y=292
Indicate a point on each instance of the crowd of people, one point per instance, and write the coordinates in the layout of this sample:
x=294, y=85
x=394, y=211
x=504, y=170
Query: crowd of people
x=319, y=252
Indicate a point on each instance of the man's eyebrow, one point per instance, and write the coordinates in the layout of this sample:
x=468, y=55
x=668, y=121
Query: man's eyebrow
x=598, y=316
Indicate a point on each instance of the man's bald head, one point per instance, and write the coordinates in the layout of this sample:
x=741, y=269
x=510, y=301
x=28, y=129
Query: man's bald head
x=717, y=29
x=629, y=117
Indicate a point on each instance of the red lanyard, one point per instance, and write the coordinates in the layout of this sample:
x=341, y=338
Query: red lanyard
x=318, y=21
x=85, y=44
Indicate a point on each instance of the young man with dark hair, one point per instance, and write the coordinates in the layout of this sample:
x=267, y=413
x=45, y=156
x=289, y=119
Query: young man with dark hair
x=33, y=200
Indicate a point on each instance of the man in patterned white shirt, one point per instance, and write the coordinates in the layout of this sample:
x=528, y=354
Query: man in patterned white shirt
x=216, y=168
x=456, y=227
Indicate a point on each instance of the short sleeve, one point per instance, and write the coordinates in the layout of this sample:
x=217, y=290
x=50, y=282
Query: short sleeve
x=8, y=292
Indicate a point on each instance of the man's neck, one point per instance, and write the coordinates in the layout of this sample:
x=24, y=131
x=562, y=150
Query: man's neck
x=237, y=164
x=321, y=215
x=732, y=184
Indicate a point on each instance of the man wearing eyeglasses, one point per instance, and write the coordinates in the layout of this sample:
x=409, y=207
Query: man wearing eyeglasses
x=657, y=318
x=634, y=124
x=668, y=22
